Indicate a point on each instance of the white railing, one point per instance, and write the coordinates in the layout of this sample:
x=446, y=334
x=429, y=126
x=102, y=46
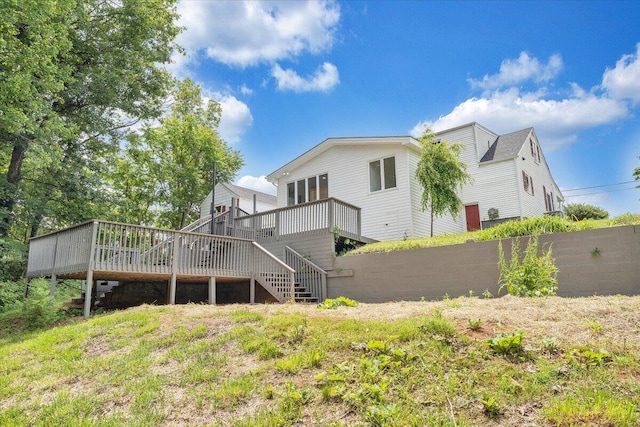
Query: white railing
x=308, y=274
x=45, y=259
x=103, y=246
x=306, y=219
x=274, y=274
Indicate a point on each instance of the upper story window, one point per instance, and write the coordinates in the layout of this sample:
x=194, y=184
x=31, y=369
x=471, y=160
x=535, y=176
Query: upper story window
x=548, y=200
x=308, y=189
x=528, y=183
x=535, y=150
x=382, y=174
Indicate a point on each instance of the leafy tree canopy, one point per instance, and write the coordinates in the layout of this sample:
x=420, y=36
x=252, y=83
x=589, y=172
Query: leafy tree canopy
x=165, y=170
x=75, y=74
x=580, y=211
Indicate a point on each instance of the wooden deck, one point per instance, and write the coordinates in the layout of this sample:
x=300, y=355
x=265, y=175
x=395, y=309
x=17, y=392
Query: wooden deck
x=114, y=251
x=103, y=250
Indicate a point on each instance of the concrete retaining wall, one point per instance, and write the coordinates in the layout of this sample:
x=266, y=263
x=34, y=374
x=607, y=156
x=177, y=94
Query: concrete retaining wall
x=614, y=268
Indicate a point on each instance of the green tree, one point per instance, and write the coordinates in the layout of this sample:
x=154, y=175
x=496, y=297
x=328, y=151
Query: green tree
x=440, y=173
x=75, y=74
x=165, y=171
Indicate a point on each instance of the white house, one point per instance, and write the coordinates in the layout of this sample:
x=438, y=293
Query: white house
x=511, y=179
x=225, y=191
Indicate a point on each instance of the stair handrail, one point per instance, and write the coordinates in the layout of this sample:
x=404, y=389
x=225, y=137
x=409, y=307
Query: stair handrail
x=317, y=284
x=273, y=274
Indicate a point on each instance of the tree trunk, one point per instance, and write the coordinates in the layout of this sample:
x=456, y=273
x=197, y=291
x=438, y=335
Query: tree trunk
x=9, y=193
x=431, y=209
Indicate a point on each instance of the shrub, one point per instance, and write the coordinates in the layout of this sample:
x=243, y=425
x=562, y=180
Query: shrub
x=338, y=302
x=533, y=276
x=580, y=211
x=527, y=227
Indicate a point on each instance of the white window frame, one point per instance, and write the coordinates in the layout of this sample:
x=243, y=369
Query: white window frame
x=527, y=183
x=383, y=182
x=296, y=193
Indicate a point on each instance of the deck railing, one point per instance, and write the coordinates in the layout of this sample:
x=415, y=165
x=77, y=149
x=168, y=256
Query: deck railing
x=307, y=274
x=306, y=219
x=104, y=246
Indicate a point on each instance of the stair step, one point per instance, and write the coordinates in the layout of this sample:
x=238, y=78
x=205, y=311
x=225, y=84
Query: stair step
x=310, y=300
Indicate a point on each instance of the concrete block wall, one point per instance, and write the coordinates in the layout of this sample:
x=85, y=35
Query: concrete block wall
x=430, y=273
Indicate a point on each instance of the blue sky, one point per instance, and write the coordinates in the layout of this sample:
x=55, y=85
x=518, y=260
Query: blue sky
x=290, y=74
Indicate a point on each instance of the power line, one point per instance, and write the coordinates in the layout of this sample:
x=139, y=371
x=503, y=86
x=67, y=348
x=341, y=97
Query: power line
x=601, y=192
x=598, y=186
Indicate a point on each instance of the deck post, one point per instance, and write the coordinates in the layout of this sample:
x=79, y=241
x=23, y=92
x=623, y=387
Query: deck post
x=172, y=289
x=276, y=232
x=292, y=277
x=52, y=288
x=323, y=291
x=252, y=280
x=359, y=224
x=171, y=297
x=212, y=290
x=88, y=299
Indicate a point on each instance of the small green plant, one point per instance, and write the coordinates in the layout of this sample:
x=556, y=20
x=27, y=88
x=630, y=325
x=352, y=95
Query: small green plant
x=595, y=327
x=475, y=324
x=595, y=252
x=588, y=357
x=550, y=344
x=532, y=276
x=338, y=302
x=487, y=294
x=490, y=407
x=507, y=344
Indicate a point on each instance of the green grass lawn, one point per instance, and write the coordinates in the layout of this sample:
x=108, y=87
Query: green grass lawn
x=459, y=362
x=526, y=227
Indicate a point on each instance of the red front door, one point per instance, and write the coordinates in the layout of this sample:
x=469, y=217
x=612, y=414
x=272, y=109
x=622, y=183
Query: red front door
x=472, y=212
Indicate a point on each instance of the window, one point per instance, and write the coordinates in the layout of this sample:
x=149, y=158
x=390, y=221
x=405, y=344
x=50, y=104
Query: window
x=548, y=200
x=302, y=194
x=535, y=150
x=308, y=189
x=382, y=174
x=528, y=183
x=291, y=194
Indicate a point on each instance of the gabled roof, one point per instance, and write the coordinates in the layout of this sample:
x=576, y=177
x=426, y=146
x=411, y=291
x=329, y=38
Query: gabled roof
x=506, y=146
x=247, y=193
x=332, y=142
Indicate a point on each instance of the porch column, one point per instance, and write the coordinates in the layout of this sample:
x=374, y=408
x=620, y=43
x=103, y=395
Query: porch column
x=171, y=295
x=212, y=290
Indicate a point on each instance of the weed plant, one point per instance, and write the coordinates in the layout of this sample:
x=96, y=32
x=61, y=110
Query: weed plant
x=531, y=275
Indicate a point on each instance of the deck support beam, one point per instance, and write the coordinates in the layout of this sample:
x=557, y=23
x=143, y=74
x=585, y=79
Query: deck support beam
x=212, y=290
x=88, y=298
x=172, y=289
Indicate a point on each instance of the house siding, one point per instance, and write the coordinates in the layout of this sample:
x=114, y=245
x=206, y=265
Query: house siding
x=534, y=205
x=385, y=214
x=223, y=197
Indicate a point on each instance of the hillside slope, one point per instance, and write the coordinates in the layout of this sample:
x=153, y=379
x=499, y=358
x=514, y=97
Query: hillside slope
x=420, y=363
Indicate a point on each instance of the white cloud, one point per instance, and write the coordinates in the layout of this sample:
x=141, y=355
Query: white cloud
x=236, y=117
x=514, y=71
x=623, y=81
x=247, y=91
x=258, y=183
x=557, y=121
x=244, y=33
x=323, y=80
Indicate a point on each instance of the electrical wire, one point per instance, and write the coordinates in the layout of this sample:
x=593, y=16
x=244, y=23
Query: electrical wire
x=598, y=186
